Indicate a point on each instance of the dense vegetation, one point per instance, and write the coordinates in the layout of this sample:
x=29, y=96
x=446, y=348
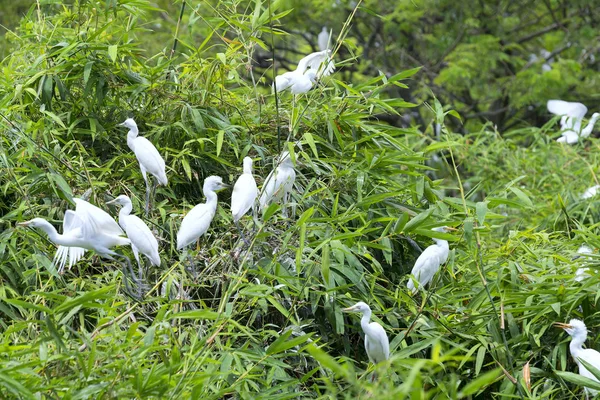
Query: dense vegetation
x=265, y=320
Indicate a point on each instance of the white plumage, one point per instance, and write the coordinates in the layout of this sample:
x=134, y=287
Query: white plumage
x=244, y=192
x=323, y=39
x=309, y=69
x=147, y=155
x=197, y=221
x=429, y=262
x=571, y=121
x=279, y=183
x=142, y=239
x=86, y=228
x=578, y=332
x=377, y=343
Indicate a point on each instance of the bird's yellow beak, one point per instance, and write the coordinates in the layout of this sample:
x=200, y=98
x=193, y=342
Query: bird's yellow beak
x=449, y=228
x=349, y=309
x=111, y=202
x=561, y=325
x=26, y=223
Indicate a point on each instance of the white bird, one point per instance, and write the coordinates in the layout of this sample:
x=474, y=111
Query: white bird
x=578, y=332
x=86, y=228
x=323, y=39
x=429, y=261
x=377, y=343
x=279, y=183
x=142, y=239
x=309, y=69
x=571, y=121
x=590, y=192
x=197, y=221
x=244, y=194
x=148, y=157
x=581, y=273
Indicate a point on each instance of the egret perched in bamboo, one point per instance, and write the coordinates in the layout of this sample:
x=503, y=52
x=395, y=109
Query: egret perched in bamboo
x=309, y=69
x=86, y=228
x=377, y=343
x=148, y=157
x=142, y=239
x=279, y=183
x=197, y=221
x=578, y=332
x=244, y=194
x=571, y=121
x=323, y=39
x=429, y=261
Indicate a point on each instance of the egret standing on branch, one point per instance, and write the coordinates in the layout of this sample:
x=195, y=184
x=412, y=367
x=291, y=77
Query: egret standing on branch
x=244, y=195
x=429, y=261
x=377, y=343
x=148, y=157
x=578, y=332
x=571, y=121
x=197, y=221
x=310, y=68
x=142, y=239
x=86, y=228
x=279, y=183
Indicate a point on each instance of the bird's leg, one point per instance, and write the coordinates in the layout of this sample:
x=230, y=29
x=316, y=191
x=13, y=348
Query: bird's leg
x=148, y=189
x=127, y=266
x=237, y=225
x=191, y=269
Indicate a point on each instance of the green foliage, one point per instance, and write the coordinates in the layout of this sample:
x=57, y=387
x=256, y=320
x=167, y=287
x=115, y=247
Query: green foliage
x=265, y=321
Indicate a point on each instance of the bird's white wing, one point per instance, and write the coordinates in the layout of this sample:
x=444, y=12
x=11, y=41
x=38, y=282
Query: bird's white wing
x=377, y=343
x=195, y=224
x=427, y=265
x=72, y=226
x=94, y=219
x=592, y=357
x=142, y=238
x=150, y=158
x=283, y=81
x=572, y=109
x=314, y=61
x=243, y=196
x=267, y=191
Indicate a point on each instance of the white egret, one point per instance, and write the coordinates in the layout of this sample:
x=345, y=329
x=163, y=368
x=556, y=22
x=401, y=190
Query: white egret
x=377, y=343
x=323, y=39
x=148, y=157
x=581, y=273
x=429, y=261
x=309, y=69
x=244, y=194
x=86, y=228
x=571, y=122
x=197, y=221
x=142, y=239
x=590, y=192
x=578, y=332
x=279, y=183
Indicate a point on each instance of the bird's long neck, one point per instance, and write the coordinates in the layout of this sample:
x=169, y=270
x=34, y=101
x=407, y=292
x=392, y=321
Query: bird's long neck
x=576, y=346
x=125, y=211
x=52, y=233
x=442, y=243
x=131, y=135
x=211, y=198
x=585, y=132
x=364, y=322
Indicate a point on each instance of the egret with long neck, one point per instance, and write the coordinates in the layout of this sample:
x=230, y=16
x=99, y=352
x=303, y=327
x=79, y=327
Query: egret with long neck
x=148, y=157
